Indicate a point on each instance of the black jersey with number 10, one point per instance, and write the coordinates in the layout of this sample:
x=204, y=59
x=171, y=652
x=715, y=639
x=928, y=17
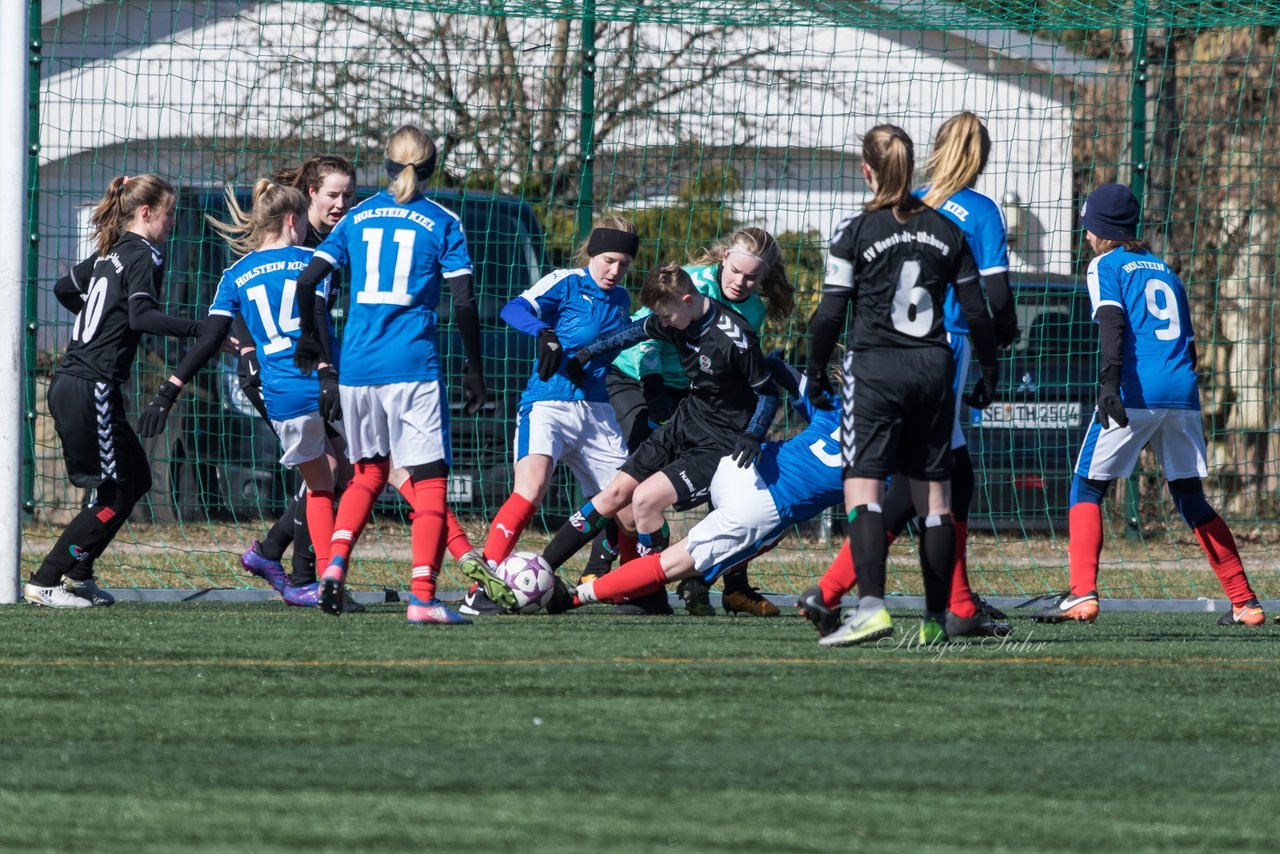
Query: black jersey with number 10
x=897, y=274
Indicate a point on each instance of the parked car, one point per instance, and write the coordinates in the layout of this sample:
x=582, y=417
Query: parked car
x=1024, y=445
x=219, y=457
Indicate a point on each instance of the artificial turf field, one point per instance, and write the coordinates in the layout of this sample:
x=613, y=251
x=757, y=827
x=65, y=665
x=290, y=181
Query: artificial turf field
x=248, y=728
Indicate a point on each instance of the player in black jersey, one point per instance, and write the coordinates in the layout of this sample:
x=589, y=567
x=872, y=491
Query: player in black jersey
x=329, y=182
x=731, y=403
x=894, y=262
x=115, y=295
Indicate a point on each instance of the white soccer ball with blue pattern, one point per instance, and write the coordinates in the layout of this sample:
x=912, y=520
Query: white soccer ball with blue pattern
x=530, y=578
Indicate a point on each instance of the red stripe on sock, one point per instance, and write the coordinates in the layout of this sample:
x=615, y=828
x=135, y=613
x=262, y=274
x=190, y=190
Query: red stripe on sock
x=1084, y=525
x=961, y=595
x=513, y=517
x=1220, y=547
x=106, y=514
x=427, y=535
x=839, y=577
x=631, y=580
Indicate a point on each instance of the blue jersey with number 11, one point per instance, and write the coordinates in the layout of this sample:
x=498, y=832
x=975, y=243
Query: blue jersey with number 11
x=260, y=287
x=1156, y=372
x=399, y=256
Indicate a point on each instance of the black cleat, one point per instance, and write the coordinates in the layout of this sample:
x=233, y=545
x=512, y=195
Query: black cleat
x=476, y=603
x=980, y=625
x=813, y=609
x=654, y=604
x=987, y=608
x=561, y=597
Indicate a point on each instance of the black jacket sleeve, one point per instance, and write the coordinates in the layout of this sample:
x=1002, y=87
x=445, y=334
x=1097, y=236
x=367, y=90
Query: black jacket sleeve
x=465, y=317
x=70, y=289
x=212, y=333
x=982, y=333
x=1110, y=320
x=313, y=275
x=144, y=316
x=825, y=327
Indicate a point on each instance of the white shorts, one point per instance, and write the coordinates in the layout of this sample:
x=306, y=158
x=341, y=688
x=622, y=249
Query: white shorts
x=302, y=439
x=744, y=521
x=1176, y=436
x=960, y=350
x=582, y=434
x=408, y=421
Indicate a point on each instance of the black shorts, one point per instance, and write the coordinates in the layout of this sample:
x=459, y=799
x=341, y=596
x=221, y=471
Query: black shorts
x=626, y=395
x=901, y=407
x=98, y=443
x=688, y=450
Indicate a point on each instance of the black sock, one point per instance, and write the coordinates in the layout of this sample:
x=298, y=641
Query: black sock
x=735, y=580
x=937, y=557
x=602, y=556
x=273, y=546
x=581, y=528
x=869, y=545
x=303, y=569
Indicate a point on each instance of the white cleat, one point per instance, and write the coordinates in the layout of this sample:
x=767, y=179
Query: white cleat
x=53, y=597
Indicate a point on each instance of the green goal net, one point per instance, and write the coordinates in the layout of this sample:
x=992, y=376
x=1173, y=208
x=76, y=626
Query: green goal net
x=694, y=119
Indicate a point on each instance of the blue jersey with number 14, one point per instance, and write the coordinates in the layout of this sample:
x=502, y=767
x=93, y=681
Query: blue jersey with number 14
x=803, y=474
x=260, y=287
x=399, y=256
x=1156, y=372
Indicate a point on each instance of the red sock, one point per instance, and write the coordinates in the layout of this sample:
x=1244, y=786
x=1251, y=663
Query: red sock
x=1084, y=528
x=457, y=540
x=320, y=524
x=839, y=577
x=627, y=550
x=513, y=517
x=427, y=535
x=1220, y=547
x=406, y=491
x=357, y=500
x=637, y=578
x=961, y=595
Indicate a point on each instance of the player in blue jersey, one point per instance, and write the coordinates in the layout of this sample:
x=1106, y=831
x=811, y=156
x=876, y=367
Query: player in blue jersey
x=260, y=289
x=401, y=248
x=755, y=507
x=558, y=419
x=960, y=152
x=1148, y=394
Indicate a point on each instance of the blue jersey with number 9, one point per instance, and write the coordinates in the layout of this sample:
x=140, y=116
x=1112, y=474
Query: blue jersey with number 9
x=399, y=256
x=260, y=287
x=1156, y=372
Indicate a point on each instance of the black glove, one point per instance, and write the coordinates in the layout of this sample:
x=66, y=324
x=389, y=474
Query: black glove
x=306, y=353
x=1110, y=406
x=746, y=450
x=984, y=390
x=248, y=369
x=819, y=389
x=576, y=368
x=330, y=398
x=550, y=353
x=475, y=393
x=157, y=412
x=1006, y=329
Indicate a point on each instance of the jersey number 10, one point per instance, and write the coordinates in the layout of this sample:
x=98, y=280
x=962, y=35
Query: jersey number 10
x=91, y=314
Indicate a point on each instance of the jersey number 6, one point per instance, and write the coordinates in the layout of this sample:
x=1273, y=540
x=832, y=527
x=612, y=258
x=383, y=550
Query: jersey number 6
x=912, y=311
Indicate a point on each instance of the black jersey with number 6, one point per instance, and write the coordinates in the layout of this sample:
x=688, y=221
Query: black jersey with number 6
x=897, y=275
x=104, y=339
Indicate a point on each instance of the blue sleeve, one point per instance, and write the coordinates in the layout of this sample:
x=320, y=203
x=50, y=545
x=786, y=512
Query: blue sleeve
x=226, y=301
x=990, y=242
x=519, y=314
x=335, y=248
x=1104, y=284
x=454, y=259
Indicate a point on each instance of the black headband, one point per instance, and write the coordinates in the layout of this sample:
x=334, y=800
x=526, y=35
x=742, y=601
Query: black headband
x=423, y=170
x=612, y=240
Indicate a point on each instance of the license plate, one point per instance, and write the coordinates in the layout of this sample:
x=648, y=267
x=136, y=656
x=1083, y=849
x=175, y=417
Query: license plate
x=461, y=487
x=1031, y=416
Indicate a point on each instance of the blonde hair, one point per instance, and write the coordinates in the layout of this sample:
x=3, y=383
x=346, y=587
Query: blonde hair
x=617, y=223
x=775, y=287
x=264, y=220
x=664, y=284
x=409, y=146
x=891, y=155
x=960, y=152
x=113, y=215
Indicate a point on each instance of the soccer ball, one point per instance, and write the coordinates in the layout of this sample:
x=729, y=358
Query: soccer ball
x=530, y=578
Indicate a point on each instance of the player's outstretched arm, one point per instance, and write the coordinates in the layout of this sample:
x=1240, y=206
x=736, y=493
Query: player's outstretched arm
x=614, y=343
x=213, y=331
x=520, y=315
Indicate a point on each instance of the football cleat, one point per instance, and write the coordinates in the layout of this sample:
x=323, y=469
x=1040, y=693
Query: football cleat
x=987, y=608
x=1248, y=614
x=1068, y=606
x=302, y=595
x=980, y=625
x=53, y=597
x=333, y=587
x=270, y=571
x=424, y=612
x=654, y=604
x=931, y=632
x=475, y=567
x=813, y=609
x=859, y=627
x=696, y=597
x=749, y=601
x=88, y=589
x=476, y=603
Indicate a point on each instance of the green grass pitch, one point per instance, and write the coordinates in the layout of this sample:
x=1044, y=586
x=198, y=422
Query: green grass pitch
x=257, y=728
